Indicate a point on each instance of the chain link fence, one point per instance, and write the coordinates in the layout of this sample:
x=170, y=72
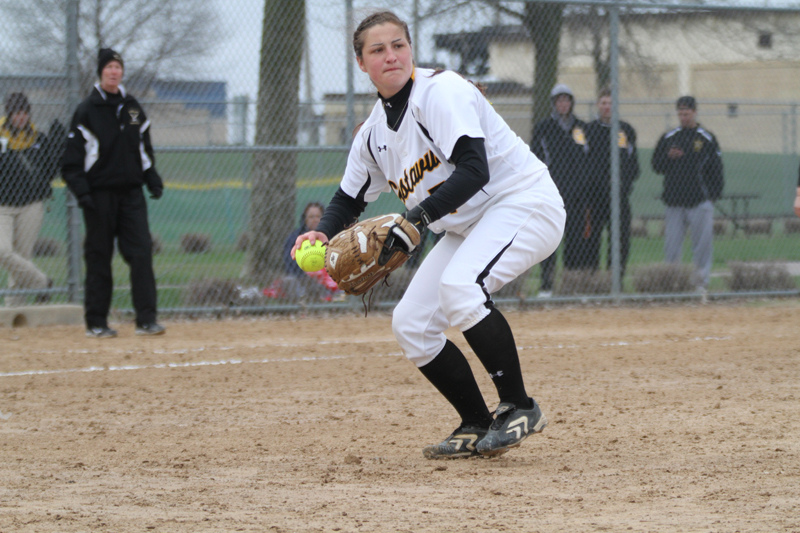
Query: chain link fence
x=252, y=116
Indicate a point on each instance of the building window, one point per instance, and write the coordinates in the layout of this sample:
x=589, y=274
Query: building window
x=765, y=40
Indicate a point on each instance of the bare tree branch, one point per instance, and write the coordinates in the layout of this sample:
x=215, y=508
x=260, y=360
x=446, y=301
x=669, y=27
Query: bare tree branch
x=153, y=36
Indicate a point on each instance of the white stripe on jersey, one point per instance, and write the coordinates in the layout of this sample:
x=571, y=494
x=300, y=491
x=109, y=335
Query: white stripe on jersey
x=412, y=165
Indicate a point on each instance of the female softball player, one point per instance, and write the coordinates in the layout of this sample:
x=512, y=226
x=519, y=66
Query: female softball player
x=436, y=142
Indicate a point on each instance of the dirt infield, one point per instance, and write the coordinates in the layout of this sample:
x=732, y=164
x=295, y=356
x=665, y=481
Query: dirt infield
x=683, y=418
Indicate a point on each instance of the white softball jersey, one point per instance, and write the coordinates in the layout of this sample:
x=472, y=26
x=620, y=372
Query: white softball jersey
x=514, y=222
x=412, y=164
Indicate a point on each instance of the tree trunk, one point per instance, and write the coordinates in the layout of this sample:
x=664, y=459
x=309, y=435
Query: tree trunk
x=274, y=175
x=543, y=22
x=602, y=65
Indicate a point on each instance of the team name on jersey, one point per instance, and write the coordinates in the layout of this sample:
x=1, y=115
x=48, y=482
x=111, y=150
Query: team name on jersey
x=414, y=175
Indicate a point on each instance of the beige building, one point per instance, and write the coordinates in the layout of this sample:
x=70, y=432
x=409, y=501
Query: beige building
x=743, y=67
x=713, y=55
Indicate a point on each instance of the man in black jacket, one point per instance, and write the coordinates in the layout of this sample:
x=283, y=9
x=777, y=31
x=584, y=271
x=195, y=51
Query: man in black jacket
x=560, y=141
x=689, y=157
x=598, y=136
x=108, y=159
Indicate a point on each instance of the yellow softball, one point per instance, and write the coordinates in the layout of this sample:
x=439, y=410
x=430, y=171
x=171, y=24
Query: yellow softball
x=310, y=258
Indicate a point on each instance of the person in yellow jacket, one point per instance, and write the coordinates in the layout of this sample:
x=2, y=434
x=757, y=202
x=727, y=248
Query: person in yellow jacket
x=28, y=162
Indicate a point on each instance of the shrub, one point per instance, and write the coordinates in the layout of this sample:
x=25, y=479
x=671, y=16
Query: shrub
x=196, y=243
x=791, y=225
x=157, y=246
x=663, y=278
x=584, y=282
x=243, y=242
x=758, y=227
x=639, y=228
x=44, y=247
x=211, y=292
x=759, y=277
x=721, y=228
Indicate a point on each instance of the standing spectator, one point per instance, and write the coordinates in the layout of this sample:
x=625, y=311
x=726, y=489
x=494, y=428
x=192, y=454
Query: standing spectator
x=560, y=141
x=689, y=157
x=107, y=160
x=27, y=166
x=598, y=136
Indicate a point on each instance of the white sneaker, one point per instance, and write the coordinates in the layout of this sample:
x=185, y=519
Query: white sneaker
x=545, y=294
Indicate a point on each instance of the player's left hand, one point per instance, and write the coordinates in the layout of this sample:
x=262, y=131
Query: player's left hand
x=418, y=217
x=398, y=238
x=361, y=256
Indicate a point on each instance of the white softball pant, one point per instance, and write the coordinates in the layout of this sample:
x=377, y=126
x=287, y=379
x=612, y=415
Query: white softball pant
x=455, y=281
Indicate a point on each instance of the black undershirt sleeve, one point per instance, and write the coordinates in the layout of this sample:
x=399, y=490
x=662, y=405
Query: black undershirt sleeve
x=342, y=211
x=470, y=175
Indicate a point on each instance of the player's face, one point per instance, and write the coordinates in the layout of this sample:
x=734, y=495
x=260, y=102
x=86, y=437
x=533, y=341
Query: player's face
x=111, y=77
x=604, y=108
x=687, y=117
x=386, y=57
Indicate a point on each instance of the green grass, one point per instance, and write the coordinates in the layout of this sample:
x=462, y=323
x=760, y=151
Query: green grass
x=209, y=193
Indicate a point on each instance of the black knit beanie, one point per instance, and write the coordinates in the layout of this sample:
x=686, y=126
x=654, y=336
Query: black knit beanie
x=104, y=57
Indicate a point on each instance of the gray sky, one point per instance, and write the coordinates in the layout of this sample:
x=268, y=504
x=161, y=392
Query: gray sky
x=236, y=60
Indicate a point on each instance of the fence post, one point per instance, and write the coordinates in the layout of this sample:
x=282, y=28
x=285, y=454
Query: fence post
x=616, y=270
x=350, y=96
x=73, y=212
x=240, y=105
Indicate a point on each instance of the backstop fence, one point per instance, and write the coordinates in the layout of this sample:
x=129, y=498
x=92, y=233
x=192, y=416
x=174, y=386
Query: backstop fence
x=207, y=77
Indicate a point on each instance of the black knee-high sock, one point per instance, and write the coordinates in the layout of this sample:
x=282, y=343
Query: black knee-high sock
x=451, y=374
x=492, y=341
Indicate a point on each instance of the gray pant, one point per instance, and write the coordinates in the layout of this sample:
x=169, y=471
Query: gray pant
x=699, y=220
x=19, y=229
